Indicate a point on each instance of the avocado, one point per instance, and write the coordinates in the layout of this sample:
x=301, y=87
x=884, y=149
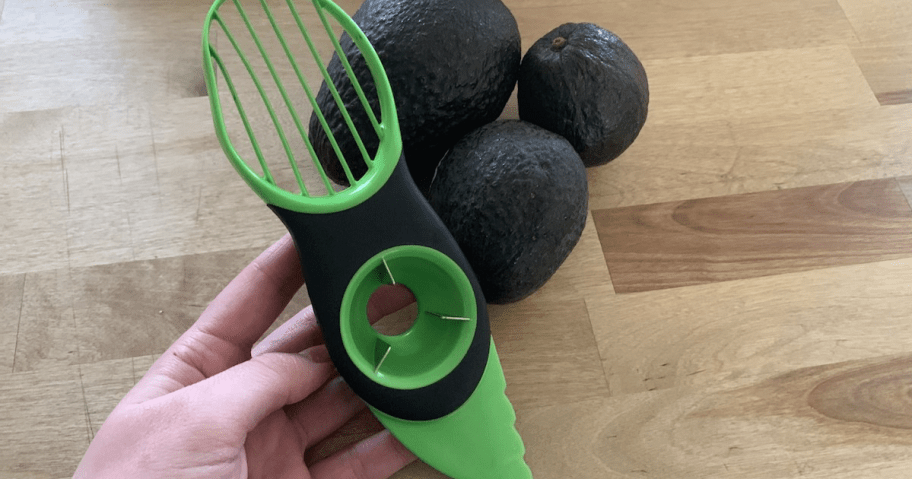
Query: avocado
x=452, y=66
x=515, y=198
x=584, y=83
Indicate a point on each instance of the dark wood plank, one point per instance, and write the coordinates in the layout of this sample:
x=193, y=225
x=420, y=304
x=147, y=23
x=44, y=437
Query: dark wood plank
x=65, y=317
x=45, y=336
x=895, y=97
x=732, y=237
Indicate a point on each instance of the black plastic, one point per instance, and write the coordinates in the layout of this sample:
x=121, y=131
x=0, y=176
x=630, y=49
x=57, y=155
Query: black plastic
x=333, y=246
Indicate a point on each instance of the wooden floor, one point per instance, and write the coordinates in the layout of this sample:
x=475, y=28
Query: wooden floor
x=740, y=304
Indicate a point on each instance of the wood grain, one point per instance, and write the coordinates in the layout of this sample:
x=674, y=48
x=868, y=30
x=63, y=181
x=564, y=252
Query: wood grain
x=800, y=81
x=873, y=395
x=104, y=383
x=750, y=328
x=43, y=423
x=43, y=43
x=716, y=239
x=117, y=203
x=905, y=184
x=879, y=20
x=117, y=311
x=888, y=69
x=711, y=152
x=763, y=428
x=33, y=200
x=150, y=306
x=47, y=325
x=555, y=364
x=658, y=29
x=11, y=293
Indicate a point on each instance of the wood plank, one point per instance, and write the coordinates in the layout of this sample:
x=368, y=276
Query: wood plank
x=554, y=364
x=43, y=423
x=717, y=239
x=104, y=150
x=761, y=142
x=50, y=415
x=203, y=204
x=150, y=304
x=33, y=201
x=667, y=163
x=880, y=20
x=732, y=429
x=139, y=308
x=104, y=384
x=755, y=85
x=84, y=315
x=11, y=293
x=888, y=69
x=670, y=162
x=47, y=329
x=58, y=55
x=832, y=147
x=905, y=184
x=821, y=421
x=121, y=183
x=752, y=328
x=658, y=29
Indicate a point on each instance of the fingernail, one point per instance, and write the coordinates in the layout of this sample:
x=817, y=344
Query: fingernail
x=317, y=354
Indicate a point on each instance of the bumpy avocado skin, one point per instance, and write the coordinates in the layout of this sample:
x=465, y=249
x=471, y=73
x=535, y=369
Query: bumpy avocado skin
x=452, y=66
x=515, y=197
x=591, y=89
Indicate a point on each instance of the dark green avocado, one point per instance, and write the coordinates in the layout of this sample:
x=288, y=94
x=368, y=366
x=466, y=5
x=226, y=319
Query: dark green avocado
x=452, y=66
x=584, y=83
x=515, y=197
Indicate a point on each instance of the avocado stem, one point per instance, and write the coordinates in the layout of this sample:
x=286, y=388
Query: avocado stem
x=558, y=43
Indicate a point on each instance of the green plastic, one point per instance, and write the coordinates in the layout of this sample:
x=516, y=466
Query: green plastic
x=486, y=444
x=441, y=333
x=476, y=441
x=380, y=167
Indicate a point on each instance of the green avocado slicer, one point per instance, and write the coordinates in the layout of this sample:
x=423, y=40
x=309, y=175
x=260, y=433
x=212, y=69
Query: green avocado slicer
x=439, y=386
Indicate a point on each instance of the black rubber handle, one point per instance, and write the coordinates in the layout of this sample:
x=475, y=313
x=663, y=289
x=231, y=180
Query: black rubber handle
x=333, y=246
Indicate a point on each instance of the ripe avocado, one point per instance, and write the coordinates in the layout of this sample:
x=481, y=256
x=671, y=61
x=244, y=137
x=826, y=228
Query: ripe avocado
x=515, y=197
x=452, y=66
x=583, y=82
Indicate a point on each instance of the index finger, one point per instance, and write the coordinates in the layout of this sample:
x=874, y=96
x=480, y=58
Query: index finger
x=224, y=334
x=302, y=331
x=252, y=301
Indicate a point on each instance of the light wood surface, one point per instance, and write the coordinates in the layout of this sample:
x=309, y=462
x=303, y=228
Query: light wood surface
x=778, y=130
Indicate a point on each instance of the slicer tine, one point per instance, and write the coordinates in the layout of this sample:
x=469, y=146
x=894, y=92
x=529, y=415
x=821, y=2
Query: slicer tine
x=380, y=363
x=390, y=273
x=450, y=318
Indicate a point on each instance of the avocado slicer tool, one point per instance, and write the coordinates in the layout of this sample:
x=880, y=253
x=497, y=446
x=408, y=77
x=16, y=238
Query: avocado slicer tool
x=439, y=386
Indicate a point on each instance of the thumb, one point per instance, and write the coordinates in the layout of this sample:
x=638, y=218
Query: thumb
x=245, y=394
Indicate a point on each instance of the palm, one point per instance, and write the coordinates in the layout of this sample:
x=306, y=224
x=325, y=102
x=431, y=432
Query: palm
x=283, y=443
x=214, y=406
x=275, y=449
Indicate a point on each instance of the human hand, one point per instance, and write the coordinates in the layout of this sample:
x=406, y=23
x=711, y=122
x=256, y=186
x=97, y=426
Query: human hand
x=213, y=406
